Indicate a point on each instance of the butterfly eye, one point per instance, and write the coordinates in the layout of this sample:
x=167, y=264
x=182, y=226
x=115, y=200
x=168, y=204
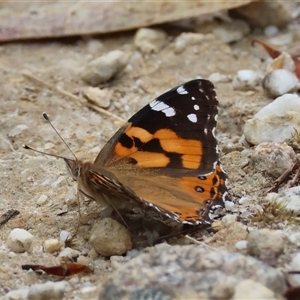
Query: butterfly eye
x=77, y=171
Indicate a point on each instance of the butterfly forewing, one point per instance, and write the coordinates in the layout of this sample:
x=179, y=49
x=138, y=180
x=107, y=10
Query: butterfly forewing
x=167, y=155
x=174, y=131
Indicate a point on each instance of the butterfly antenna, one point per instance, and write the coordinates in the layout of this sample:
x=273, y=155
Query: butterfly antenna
x=48, y=120
x=44, y=153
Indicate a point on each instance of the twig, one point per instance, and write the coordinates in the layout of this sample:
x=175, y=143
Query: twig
x=30, y=76
x=282, y=178
x=4, y=218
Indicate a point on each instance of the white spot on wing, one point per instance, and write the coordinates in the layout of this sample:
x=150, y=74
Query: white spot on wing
x=161, y=106
x=181, y=90
x=193, y=98
x=196, y=107
x=205, y=130
x=192, y=118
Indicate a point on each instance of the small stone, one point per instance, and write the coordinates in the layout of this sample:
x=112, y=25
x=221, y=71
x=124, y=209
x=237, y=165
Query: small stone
x=273, y=128
x=280, y=106
x=100, y=97
x=273, y=158
x=280, y=82
x=281, y=39
x=149, y=40
x=108, y=237
x=64, y=236
x=231, y=31
x=294, y=238
x=253, y=290
x=295, y=266
x=105, y=67
x=68, y=253
x=88, y=292
x=188, y=39
x=48, y=291
x=266, y=243
x=20, y=294
x=17, y=130
x=245, y=80
x=42, y=200
x=52, y=245
x=241, y=245
x=19, y=240
x=270, y=30
x=71, y=197
x=291, y=199
x=218, y=77
x=229, y=219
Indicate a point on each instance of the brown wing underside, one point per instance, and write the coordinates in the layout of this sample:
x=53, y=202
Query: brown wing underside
x=187, y=199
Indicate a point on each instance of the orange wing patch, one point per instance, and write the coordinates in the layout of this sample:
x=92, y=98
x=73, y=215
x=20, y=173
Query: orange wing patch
x=170, y=142
x=206, y=188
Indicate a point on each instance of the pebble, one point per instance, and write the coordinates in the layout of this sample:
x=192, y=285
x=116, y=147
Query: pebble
x=149, y=40
x=290, y=198
x=17, y=130
x=294, y=238
x=266, y=243
x=272, y=128
x=42, y=200
x=231, y=31
x=273, y=158
x=245, y=80
x=99, y=97
x=64, y=236
x=52, y=245
x=283, y=61
x=68, y=253
x=188, y=39
x=103, y=68
x=218, y=77
x=281, y=40
x=20, y=294
x=240, y=245
x=254, y=290
x=294, y=280
x=280, y=106
x=71, y=197
x=108, y=237
x=19, y=240
x=270, y=30
x=228, y=219
x=279, y=82
x=188, y=272
x=48, y=290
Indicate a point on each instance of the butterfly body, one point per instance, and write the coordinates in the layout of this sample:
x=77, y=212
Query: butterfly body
x=165, y=158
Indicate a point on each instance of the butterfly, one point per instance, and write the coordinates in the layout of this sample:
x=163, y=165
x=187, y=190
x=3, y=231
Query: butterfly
x=165, y=158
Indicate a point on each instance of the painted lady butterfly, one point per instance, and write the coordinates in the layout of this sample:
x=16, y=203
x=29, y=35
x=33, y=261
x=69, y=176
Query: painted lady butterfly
x=165, y=157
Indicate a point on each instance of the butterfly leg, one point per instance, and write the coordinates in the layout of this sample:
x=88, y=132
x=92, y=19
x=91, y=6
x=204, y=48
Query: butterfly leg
x=115, y=209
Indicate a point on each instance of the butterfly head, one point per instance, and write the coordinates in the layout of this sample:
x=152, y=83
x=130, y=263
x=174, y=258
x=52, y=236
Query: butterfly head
x=74, y=168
